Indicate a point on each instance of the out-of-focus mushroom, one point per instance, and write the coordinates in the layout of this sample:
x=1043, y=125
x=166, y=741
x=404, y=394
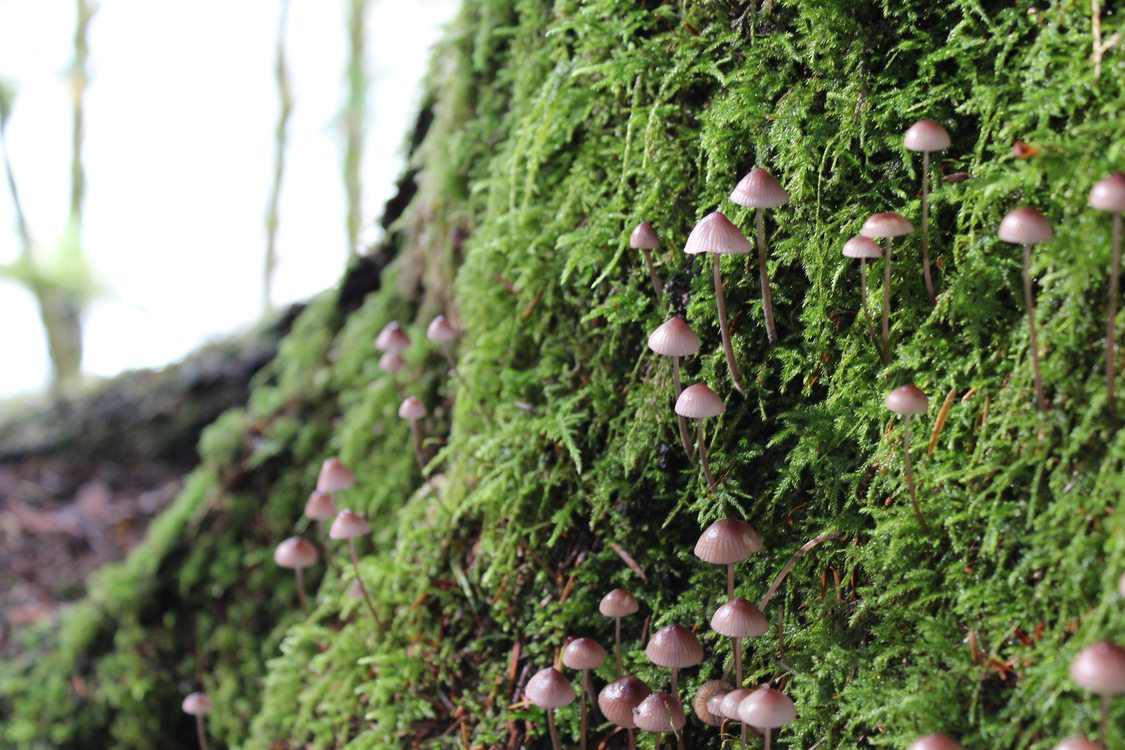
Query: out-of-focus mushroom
x=645, y=239
x=297, y=554
x=1108, y=194
x=198, y=705
x=906, y=401
x=347, y=526
x=1100, y=668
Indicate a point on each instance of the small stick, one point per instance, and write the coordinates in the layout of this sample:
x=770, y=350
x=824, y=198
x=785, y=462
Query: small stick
x=767, y=299
x=805, y=549
x=939, y=424
x=724, y=328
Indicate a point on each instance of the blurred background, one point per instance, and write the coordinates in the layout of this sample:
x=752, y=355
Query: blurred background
x=173, y=171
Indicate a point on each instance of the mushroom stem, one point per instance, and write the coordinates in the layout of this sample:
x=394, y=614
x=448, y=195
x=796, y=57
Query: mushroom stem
x=656, y=285
x=1111, y=313
x=553, y=729
x=200, y=733
x=617, y=636
x=910, y=472
x=582, y=700
x=656, y=742
x=679, y=740
x=301, y=590
x=416, y=432
x=1105, y=720
x=1030, y=303
x=590, y=692
x=805, y=549
x=730, y=583
x=724, y=329
x=737, y=642
x=743, y=735
x=632, y=739
x=685, y=435
x=767, y=299
x=867, y=311
x=926, y=225
x=887, y=300
x=362, y=586
x=703, y=457
x=676, y=684
x=769, y=732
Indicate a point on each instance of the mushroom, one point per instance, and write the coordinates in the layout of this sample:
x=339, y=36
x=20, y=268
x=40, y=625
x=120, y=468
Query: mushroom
x=584, y=654
x=726, y=542
x=926, y=136
x=1100, y=668
x=297, y=554
x=710, y=694
x=674, y=338
x=889, y=226
x=618, y=699
x=617, y=604
x=348, y=525
x=1078, y=743
x=392, y=338
x=738, y=619
x=334, y=476
x=412, y=409
x=660, y=713
x=866, y=249
x=715, y=234
x=676, y=648
x=767, y=709
x=1026, y=226
x=934, y=742
x=549, y=689
x=1109, y=195
x=908, y=400
x=392, y=363
x=320, y=506
x=699, y=402
x=759, y=190
x=441, y=332
x=198, y=705
x=728, y=707
x=645, y=239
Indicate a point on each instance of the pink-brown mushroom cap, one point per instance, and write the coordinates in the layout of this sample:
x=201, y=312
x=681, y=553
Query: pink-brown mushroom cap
x=659, y=713
x=715, y=234
x=295, y=553
x=334, y=476
x=1078, y=743
x=710, y=694
x=766, y=708
x=934, y=742
x=618, y=699
x=674, y=338
x=392, y=362
x=197, y=704
x=927, y=135
x=886, y=225
x=727, y=541
x=392, y=338
x=698, y=402
x=348, y=525
x=583, y=653
x=739, y=618
x=1025, y=226
x=1108, y=193
x=759, y=189
x=1100, y=668
x=440, y=330
x=675, y=647
x=549, y=688
x=729, y=706
x=862, y=247
x=644, y=237
x=412, y=408
x=907, y=400
x=320, y=506
x=618, y=603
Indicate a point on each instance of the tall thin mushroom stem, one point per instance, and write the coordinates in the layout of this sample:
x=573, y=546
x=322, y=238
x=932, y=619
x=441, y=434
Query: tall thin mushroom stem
x=703, y=457
x=867, y=312
x=617, y=637
x=724, y=328
x=416, y=433
x=767, y=299
x=1111, y=313
x=657, y=286
x=730, y=584
x=737, y=661
x=362, y=585
x=1030, y=303
x=200, y=733
x=582, y=700
x=910, y=472
x=553, y=729
x=632, y=739
x=301, y=590
x=769, y=734
x=926, y=225
x=675, y=684
x=685, y=435
x=887, y=300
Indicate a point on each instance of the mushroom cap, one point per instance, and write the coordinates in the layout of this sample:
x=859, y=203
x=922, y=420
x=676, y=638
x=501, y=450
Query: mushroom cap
x=618, y=699
x=197, y=704
x=295, y=552
x=934, y=742
x=907, y=399
x=348, y=525
x=334, y=476
x=583, y=653
x=698, y=401
x=1100, y=668
x=728, y=707
x=1025, y=226
x=1078, y=743
x=862, y=247
x=392, y=338
x=644, y=237
x=1108, y=193
x=886, y=225
x=548, y=688
x=412, y=408
x=713, y=690
x=739, y=618
x=927, y=135
x=759, y=189
x=674, y=338
x=715, y=234
x=659, y=713
x=320, y=506
x=675, y=647
x=440, y=330
x=727, y=541
x=766, y=708
x=391, y=362
x=618, y=603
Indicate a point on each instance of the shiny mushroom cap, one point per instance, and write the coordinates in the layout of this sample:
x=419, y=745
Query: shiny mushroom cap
x=1108, y=193
x=197, y=704
x=698, y=402
x=934, y=742
x=727, y=541
x=334, y=476
x=659, y=713
x=674, y=338
x=759, y=189
x=739, y=618
x=548, y=688
x=618, y=603
x=766, y=708
x=644, y=237
x=715, y=234
x=348, y=525
x=927, y=135
x=412, y=408
x=392, y=338
x=862, y=247
x=907, y=400
x=886, y=225
x=440, y=331
x=1100, y=668
x=295, y=553
x=583, y=653
x=1078, y=743
x=728, y=707
x=392, y=362
x=710, y=693
x=1025, y=226
x=618, y=699
x=320, y=506
x=675, y=647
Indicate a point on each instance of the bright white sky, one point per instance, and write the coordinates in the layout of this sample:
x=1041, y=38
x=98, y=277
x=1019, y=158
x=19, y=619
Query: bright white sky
x=179, y=156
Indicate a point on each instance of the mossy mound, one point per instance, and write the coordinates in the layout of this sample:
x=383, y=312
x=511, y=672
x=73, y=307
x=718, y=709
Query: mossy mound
x=556, y=127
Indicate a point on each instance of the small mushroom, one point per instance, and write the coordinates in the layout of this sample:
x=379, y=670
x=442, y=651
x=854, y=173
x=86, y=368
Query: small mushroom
x=617, y=604
x=906, y=401
x=715, y=234
x=440, y=331
x=392, y=338
x=1026, y=226
x=866, y=249
x=1100, y=668
x=886, y=226
x=767, y=709
x=549, y=689
x=645, y=239
x=392, y=363
x=934, y=742
x=738, y=619
x=926, y=136
x=728, y=708
x=297, y=554
x=1108, y=194
x=676, y=648
x=198, y=705
x=674, y=338
x=728, y=541
x=710, y=693
x=660, y=713
x=347, y=526
x=584, y=654
x=1078, y=743
x=412, y=409
x=699, y=402
x=334, y=476
x=759, y=190
x=617, y=701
